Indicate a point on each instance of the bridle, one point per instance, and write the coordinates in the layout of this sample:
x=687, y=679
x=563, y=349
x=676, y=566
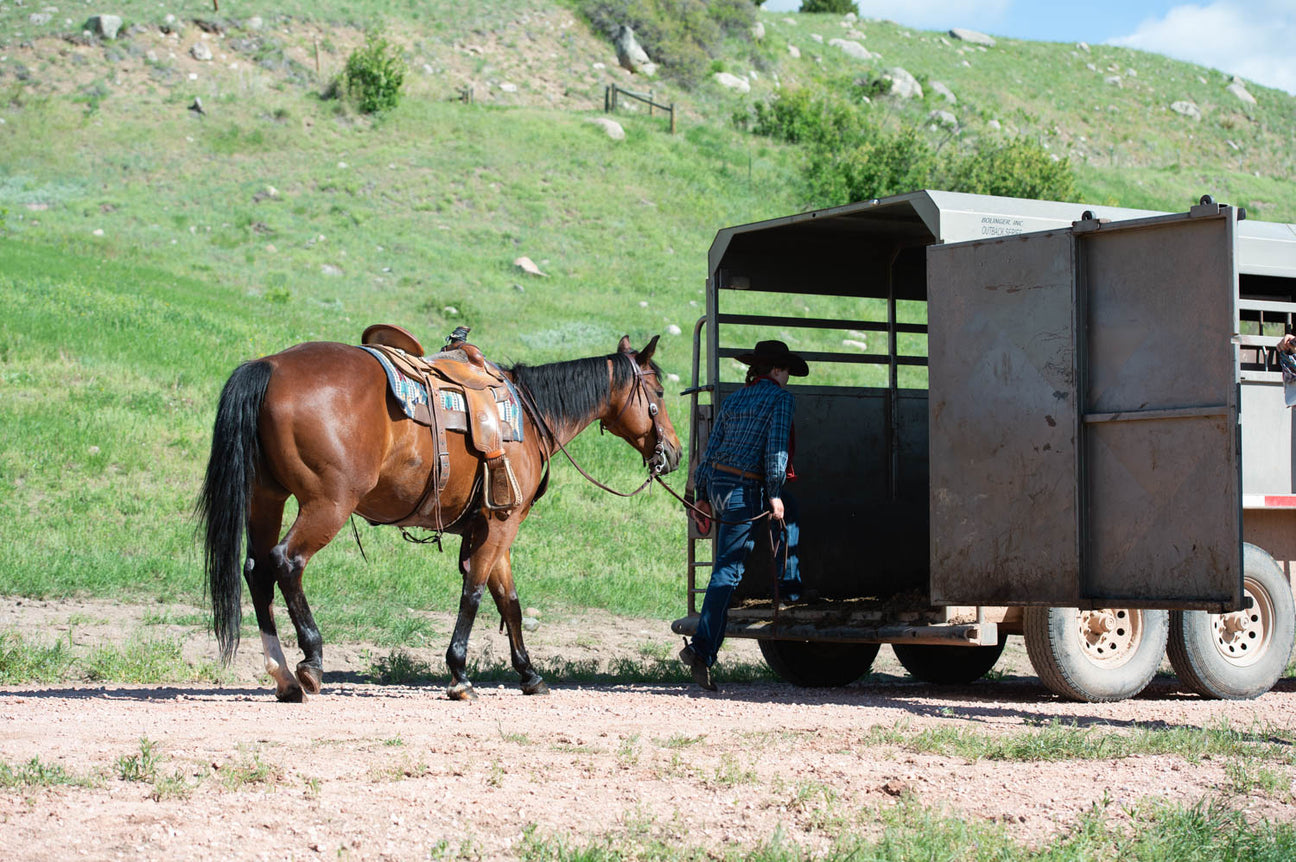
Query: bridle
x=656, y=462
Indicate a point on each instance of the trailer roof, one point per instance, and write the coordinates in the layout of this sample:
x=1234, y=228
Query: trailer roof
x=865, y=230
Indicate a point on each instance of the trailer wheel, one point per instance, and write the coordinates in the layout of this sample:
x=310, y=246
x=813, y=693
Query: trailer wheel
x=1240, y=655
x=947, y=665
x=813, y=664
x=1095, y=655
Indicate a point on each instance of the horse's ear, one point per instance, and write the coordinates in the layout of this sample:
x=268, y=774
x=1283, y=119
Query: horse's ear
x=624, y=346
x=646, y=355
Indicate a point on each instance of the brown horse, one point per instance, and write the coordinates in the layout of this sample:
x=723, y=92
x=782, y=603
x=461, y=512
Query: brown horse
x=317, y=422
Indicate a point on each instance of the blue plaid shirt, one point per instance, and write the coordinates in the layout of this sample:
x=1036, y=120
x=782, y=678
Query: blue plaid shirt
x=751, y=434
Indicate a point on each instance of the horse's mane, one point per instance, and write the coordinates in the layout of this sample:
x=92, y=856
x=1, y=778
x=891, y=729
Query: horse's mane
x=574, y=390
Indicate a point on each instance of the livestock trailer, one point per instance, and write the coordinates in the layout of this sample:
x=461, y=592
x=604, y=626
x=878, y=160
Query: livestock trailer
x=1034, y=418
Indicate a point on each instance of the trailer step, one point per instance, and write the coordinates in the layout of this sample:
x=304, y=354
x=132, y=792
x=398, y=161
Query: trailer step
x=972, y=634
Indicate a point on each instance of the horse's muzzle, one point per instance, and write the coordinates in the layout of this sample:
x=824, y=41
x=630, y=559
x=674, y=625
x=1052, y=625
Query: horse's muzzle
x=664, y=459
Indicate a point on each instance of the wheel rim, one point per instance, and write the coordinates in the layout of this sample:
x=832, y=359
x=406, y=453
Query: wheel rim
x=1242, y=637
x=1109, y=637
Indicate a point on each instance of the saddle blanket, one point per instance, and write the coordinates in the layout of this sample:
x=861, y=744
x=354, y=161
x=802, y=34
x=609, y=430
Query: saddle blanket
x=412, y=393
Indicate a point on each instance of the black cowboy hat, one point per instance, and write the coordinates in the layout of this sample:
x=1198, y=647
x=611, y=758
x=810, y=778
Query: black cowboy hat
x=776, y=355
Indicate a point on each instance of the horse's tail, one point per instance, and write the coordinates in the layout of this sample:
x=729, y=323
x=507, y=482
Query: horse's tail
x=226, y=497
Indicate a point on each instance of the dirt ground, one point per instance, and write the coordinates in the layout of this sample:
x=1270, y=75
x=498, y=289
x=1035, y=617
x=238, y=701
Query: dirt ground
x=377, y=772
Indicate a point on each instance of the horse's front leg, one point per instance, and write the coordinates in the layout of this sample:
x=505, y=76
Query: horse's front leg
x=482, y=547
x=510, y=609
x=474, y=575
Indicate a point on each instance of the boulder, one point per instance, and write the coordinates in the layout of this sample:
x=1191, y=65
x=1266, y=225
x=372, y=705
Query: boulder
x=758, y=31
x=944, y=119
x=733, y=82
x=528, y=266
x=1187, y=109
x=794, y=51
x=201, y=51
x=972, y=36
x=611, y=127
x=903, y=84
x=1237, y=88
x=629, y=53
x=104, y=26
x=852, y=48
x=944, y=92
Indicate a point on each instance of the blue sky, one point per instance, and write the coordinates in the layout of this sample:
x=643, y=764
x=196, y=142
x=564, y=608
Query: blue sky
x=1255, y=39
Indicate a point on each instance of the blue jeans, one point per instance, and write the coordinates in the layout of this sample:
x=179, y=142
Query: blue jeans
x=736, y=499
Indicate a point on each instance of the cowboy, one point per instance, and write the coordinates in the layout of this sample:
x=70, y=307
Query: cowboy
x=740, y=477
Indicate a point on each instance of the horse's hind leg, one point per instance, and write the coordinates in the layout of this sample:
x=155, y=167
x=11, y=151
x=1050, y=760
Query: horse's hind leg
x=260, y=572
x=506, y=599
x=318, y=521
x=316, y=524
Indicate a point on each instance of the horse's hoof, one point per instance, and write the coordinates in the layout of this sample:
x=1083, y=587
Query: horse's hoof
x=462, y=691
x=538, y=687
x=311, y=677
x=291, y=695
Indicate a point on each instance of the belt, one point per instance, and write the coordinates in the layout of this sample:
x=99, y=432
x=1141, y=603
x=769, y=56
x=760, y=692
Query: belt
x=725, y=468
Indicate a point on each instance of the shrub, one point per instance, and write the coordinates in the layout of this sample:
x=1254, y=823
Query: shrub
x=796, y=116
x=839, y=7
x=374, y=74
x=852, y=155
x=1019, y=168
x=877, y=164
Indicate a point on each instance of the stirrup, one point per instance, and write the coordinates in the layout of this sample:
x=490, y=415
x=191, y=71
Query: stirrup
x=502, y=492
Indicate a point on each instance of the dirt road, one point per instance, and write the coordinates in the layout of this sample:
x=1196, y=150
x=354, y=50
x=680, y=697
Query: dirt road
x=365, y=771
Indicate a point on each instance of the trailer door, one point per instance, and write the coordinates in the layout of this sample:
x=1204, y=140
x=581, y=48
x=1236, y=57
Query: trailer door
x=1084, y=445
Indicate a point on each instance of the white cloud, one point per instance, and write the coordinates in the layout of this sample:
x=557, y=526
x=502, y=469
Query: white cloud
x=1251, y=39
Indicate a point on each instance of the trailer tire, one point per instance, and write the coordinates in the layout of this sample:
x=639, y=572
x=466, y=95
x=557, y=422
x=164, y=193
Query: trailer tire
x=1095, y=655
x=1241, y=655
x=816, y=664
x=947, y=665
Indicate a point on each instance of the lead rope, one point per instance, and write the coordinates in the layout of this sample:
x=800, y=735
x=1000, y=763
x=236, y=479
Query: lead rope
x=693, y=508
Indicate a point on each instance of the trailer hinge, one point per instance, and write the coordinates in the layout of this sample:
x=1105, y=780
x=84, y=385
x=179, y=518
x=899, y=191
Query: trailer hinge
x=1089, y=223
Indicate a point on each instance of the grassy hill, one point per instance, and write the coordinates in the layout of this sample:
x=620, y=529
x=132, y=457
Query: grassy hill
x=147, y=248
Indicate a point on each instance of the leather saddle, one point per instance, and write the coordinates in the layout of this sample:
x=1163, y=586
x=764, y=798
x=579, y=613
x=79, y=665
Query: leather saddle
x=464, y=393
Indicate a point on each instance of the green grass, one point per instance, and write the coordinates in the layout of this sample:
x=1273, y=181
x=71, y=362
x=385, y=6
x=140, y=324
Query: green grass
x=139, y=767
x=1057, y=741
x=34, y=773
x=23, y=662
x=153, y=660
x=910, y=832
